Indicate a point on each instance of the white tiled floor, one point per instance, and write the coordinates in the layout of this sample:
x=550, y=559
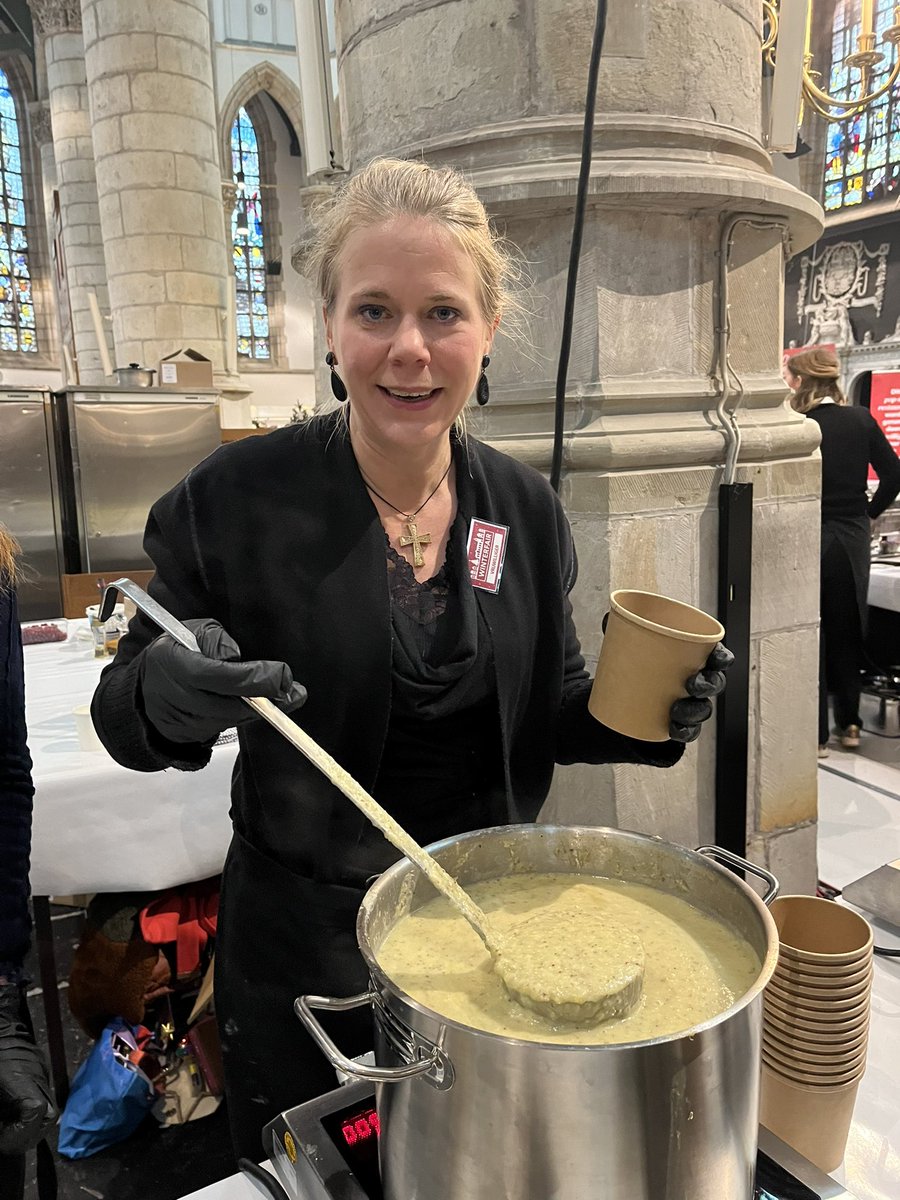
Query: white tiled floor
x=859, y=830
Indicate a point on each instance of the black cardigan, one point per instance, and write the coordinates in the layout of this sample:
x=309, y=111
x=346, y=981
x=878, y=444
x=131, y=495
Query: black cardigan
x=16, y=792
x=851, y=439
x=276, y=537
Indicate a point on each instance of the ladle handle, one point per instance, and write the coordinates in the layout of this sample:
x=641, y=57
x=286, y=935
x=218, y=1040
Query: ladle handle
x=330, y=767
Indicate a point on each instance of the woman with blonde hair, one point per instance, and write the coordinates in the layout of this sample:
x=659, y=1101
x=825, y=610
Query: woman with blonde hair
x=851, y=440
x=26, y=1106
x=346, y=552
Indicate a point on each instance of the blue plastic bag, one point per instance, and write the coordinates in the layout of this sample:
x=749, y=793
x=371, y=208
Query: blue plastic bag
x=110, y=1096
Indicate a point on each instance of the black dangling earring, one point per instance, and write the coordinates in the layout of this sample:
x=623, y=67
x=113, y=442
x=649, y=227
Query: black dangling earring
x=483, y=388
x=338, y=387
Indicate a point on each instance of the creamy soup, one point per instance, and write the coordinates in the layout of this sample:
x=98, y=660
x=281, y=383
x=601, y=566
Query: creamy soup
x=694, y=966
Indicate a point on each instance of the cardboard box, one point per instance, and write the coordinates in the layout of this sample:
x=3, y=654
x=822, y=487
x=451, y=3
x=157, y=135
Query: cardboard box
x=185, y=369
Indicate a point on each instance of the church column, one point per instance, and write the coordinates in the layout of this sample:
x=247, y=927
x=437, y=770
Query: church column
x=150, y=86
x=677, y=150
x=59, y=24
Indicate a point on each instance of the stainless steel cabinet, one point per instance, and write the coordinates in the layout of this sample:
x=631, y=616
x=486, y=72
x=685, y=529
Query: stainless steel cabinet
x=26, y=499
x=80, y=470
x=116, y=456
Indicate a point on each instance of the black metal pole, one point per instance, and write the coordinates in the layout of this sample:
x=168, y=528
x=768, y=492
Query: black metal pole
x=733, y=711
x=56, y=1046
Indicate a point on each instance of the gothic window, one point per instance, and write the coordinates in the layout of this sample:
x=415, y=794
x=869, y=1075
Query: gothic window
x=17, y=322
x=862, y=156
x=248, y=243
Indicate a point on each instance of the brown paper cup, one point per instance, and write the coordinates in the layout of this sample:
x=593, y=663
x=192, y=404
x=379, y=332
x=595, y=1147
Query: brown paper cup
x=651, y=647
x=830, y=1016
x=822, y=1031
x=813, y=1041
x=814, y=975
x=814, y=1029
x=827, y=993
x=841, y=1058
x=801, y=1009
x=815, y=1121
x=797, y=1074
x=820, y=931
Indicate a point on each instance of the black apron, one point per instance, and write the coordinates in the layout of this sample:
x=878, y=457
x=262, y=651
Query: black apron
x=850, y=536
x=280, y=936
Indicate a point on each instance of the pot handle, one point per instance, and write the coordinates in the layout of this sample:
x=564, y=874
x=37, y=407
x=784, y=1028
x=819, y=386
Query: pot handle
x=303, y=1007
x=735, y=860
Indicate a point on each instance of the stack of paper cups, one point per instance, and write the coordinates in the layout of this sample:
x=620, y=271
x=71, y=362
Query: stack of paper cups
x=816, y=1026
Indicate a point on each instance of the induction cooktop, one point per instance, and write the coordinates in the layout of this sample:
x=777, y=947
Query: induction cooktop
x=327, y=1149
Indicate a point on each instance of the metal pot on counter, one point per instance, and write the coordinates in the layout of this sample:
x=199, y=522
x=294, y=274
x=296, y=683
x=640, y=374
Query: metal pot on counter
x=135, y=376
x=471, y=1115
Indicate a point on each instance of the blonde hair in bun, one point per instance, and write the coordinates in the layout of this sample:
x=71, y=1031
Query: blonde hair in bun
x=819, y=372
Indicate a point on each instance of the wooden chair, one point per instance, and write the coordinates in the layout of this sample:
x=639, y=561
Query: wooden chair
x=78, y=591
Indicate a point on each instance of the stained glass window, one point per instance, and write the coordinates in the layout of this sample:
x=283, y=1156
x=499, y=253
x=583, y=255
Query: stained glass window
x=861, y=153
x=17, y=324
x=248, y=245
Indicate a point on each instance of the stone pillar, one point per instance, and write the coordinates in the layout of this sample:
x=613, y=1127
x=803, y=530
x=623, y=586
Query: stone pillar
x=76, y=182
x=677, y=150
x=310, y=197
x=149, y=73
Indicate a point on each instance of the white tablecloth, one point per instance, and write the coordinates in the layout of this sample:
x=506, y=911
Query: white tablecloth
x=99, y=827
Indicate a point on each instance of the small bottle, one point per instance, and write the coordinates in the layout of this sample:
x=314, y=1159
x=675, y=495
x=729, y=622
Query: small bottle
x=98, y=633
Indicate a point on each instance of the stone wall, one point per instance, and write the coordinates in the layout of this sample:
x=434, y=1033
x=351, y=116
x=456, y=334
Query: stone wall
x=677, y=152
x=153, y=112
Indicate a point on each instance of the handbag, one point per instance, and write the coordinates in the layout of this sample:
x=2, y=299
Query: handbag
x=111, y=1093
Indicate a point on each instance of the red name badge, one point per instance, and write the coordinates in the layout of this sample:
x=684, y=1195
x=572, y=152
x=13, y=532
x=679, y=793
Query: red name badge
x=486, y=552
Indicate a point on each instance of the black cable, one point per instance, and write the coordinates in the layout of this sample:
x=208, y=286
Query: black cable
x=587, y=141
x=266, y=1183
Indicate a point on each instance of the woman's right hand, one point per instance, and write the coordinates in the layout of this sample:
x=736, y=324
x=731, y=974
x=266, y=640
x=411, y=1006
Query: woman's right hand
x=191, y=697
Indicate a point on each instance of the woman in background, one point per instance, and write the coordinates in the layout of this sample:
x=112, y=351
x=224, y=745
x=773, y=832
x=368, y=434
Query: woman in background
x=851, y=440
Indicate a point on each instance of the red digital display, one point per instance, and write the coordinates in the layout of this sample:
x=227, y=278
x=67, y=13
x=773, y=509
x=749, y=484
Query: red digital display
x=354, y=1132
x=361, y=1127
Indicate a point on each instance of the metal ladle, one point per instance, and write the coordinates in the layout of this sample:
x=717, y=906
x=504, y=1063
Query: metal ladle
x=558, y=988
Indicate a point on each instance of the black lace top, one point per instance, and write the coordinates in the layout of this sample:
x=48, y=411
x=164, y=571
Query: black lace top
x=441, y=771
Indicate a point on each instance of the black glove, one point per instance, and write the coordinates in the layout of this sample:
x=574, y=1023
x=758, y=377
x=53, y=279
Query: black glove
x=687, y=715
x=27, y=1110
x=190, y=697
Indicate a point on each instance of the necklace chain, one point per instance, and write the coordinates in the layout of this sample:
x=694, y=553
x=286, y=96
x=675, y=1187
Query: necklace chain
x=409, y=516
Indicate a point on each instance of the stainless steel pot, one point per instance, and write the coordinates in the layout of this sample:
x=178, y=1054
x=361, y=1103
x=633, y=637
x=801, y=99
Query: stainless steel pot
x=135, y=375
x=879, y=708
x=469, y=1115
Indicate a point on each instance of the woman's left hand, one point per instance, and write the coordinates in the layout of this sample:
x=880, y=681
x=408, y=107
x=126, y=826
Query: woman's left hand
x=27, y=1111
x=687, y=716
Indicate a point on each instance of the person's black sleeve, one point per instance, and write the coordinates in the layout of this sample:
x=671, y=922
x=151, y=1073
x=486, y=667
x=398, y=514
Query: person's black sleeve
x=16, y=793
x=580, y=737
x=887, y=467
x=181, y=584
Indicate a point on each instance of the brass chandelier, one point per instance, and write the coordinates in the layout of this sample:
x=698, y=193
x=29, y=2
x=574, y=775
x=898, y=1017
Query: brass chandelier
x=866, y=59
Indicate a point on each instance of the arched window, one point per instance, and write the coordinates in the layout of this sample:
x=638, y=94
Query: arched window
x=17, y=323
x=862, y=157
x=248, y=243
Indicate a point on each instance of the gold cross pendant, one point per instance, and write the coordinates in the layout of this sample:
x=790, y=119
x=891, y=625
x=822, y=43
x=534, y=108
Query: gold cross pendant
x=416, y=540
